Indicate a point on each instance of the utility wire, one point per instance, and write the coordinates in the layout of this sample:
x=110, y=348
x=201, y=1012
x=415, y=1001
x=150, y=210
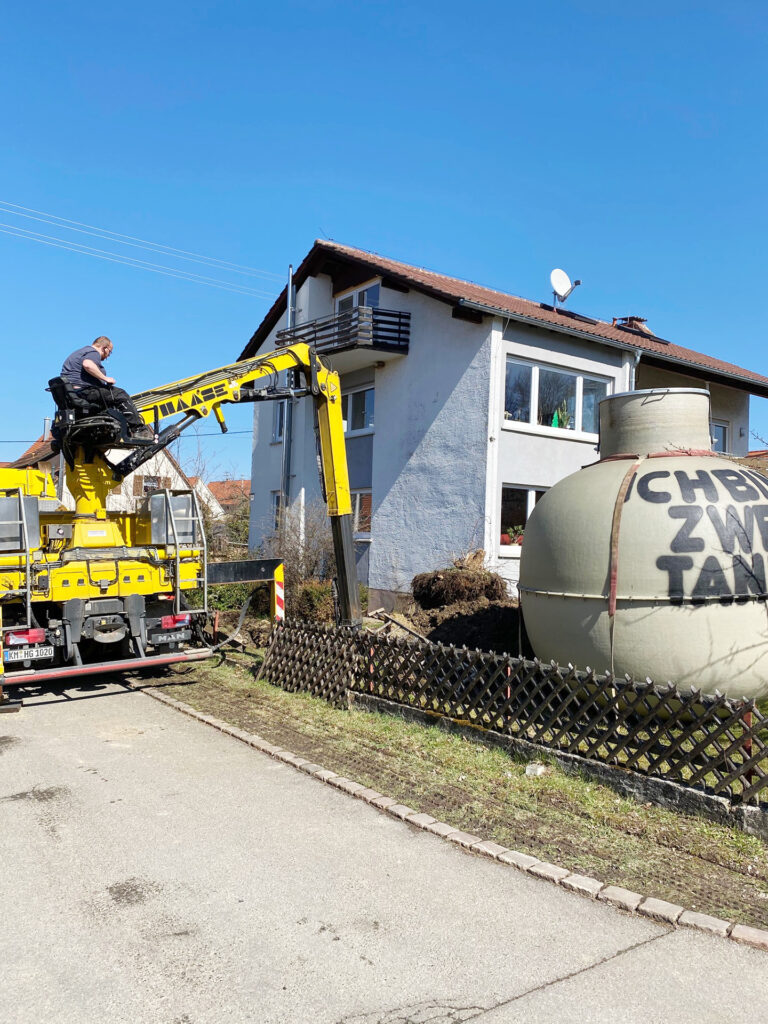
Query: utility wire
x=143, y=243
x=129, y=261
x=144, y=263
x=205, y=260
x=214, y=433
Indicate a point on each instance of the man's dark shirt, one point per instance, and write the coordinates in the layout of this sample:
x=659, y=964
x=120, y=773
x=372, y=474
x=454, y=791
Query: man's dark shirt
x=72, y=371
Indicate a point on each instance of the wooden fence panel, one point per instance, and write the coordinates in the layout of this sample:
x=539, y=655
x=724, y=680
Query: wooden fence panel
x=703, y=741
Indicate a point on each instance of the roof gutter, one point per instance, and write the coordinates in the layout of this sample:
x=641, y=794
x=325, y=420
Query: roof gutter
x=750, y=385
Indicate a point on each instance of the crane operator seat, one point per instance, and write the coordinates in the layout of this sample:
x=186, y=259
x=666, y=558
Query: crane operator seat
x=69, y=401
x=109, y=426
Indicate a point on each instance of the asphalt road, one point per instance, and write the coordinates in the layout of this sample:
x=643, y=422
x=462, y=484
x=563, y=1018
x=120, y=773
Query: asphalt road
x=155, y=870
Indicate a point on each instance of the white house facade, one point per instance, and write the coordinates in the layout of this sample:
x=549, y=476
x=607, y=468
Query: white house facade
x=462, y=406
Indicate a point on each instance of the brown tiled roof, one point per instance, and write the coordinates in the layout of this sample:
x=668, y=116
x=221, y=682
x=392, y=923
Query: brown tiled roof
x=38, y=451
x=455, y=291
x=41, y=451
x=227, y=492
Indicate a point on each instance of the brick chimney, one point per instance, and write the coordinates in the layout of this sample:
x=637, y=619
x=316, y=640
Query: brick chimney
x=632, y=323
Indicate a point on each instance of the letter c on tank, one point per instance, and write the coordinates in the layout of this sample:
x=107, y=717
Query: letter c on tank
x=644, y=488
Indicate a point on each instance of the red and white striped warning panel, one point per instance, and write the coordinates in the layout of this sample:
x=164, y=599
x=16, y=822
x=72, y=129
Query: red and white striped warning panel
x=279, y=600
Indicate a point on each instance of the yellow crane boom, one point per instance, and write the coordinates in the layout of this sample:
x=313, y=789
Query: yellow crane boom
x=205, y=394
x=174, y=407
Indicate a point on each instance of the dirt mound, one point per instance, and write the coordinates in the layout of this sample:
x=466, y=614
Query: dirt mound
x=468, y=606
x=458, y=584
x=487, y=625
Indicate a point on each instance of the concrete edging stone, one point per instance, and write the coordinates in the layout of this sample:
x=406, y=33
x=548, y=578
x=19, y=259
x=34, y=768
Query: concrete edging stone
x=623, y=899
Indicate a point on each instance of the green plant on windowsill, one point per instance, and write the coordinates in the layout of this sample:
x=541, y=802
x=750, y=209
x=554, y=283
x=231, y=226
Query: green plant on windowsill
x=562, y=417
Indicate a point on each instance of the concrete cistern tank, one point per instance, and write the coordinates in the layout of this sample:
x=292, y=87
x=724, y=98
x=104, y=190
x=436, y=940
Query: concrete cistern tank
x=661, y=543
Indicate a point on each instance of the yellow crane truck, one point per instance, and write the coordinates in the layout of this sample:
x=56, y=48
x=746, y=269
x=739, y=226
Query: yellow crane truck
x=93, y=590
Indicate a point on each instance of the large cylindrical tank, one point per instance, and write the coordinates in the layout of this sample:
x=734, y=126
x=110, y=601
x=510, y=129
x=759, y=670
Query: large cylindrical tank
x=652, y=561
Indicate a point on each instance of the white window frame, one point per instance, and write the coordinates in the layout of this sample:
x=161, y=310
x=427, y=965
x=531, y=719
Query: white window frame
x=726, y=427
x=355, y=496
x=279, y=411
x=363, y=430
x=513, y=550
x=532, y=426
x=148, y=488
x=355, y=293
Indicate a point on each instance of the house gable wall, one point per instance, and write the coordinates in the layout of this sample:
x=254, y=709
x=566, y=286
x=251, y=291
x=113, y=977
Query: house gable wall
x=430, y=450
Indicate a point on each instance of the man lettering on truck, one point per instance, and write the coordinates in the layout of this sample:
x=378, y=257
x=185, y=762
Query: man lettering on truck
x=84, y=371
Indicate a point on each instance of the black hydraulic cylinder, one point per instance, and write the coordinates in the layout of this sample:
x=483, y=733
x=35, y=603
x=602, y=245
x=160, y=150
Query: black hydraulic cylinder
x=350, y=613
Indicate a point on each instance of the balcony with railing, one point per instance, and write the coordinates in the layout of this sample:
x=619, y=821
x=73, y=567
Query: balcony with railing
x=360, y=328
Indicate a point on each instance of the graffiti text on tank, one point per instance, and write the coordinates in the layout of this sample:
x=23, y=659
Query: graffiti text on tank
x=733, y=528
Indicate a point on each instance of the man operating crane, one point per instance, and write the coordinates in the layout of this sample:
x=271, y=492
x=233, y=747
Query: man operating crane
x=83, y=370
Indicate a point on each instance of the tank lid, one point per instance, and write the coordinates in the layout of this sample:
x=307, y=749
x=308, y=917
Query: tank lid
x=656, y=391
x=655, y=420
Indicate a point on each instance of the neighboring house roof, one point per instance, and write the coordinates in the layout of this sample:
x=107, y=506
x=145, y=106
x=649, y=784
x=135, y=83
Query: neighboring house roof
x=229, y=492
x=41, y=451
x=339, y=260
x=38, y=451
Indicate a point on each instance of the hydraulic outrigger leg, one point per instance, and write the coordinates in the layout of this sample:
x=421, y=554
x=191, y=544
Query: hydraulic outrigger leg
x=348, y=591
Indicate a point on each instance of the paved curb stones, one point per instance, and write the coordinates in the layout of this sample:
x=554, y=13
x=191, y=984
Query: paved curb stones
x=623, y=899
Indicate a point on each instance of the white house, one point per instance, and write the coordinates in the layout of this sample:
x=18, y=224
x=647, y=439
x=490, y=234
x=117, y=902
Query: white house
x=482, y=401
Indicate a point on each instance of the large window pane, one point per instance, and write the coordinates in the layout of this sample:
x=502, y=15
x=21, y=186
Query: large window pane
x=357, y=410
x=557, y=399
x=514, y=510
x=369, y=296
x=594, y=392
x=362, y=511
x=517, y=392
x=719, y=436
x=278, y=420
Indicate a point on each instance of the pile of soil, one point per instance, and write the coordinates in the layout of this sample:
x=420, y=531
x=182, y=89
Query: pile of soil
x=456, y=585
x=468, y=606
x=487, y=625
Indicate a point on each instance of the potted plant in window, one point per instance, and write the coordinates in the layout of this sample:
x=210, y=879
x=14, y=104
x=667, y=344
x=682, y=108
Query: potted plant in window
x=517, y=534
x=506, y=535
x=562, y=417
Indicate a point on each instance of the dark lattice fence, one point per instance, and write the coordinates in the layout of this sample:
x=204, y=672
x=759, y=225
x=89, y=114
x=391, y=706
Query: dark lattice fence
x=707, y=742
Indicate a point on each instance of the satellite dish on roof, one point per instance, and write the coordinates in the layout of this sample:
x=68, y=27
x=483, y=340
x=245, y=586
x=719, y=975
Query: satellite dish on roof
x=561, y=285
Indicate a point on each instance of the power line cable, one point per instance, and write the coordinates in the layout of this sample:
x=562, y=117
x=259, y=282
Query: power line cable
x=213, y=433
x=205, y=260
x=181, y=253
x=130, y=261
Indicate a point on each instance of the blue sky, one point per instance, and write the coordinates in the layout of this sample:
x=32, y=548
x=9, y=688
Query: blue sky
x=492, y=141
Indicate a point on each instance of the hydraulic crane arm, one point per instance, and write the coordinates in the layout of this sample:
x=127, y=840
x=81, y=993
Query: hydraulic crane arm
x=196, y=397
x=172, y=408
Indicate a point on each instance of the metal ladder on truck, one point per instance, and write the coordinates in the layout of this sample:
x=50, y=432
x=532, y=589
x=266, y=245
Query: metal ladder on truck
x=183, y=526
x=21, y=548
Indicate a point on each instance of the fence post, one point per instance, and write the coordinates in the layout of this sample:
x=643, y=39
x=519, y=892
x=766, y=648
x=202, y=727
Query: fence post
x=748, y=751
